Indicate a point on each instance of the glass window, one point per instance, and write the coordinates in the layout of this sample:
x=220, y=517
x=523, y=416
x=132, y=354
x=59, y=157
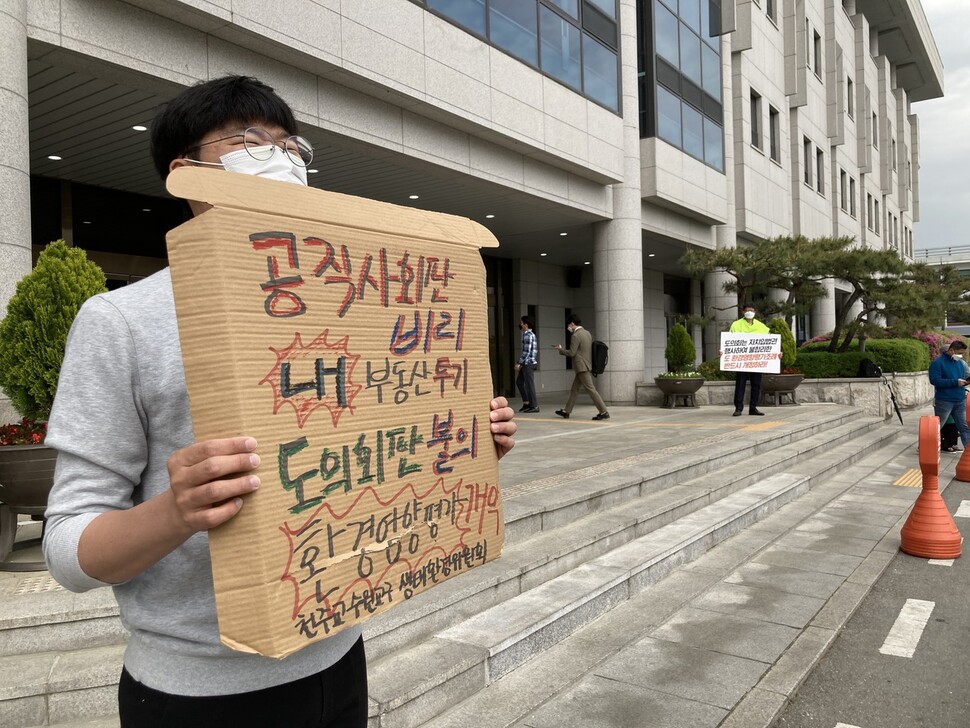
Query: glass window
x=774, y=134
x=690, y=55
x=599, y=72
x=807, y=160
x=569, y=6
x=467, y=13
x=755, y=120
x=820, y=171
x=693, y=131
x=713, y=144
x=666, y=29
x=690, y=13
x=672, y=4
x=512, y=27
x=712, y=71
x=849, y=98
x=560, y=43
x=608, y=7
x=668, y=116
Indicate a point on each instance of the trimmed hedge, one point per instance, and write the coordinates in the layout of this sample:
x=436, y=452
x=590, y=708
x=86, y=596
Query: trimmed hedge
x=890, y=355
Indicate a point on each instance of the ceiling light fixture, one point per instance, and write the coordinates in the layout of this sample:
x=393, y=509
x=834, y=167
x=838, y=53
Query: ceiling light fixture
x=489, y=217
x=650, y=255
x=585, y=262
x=313, y=171
x=414, y=197
x=543, y=255
x=85, y=222
x=54, y=157
x=562, y=235
x=146, y=209
x=139, y=127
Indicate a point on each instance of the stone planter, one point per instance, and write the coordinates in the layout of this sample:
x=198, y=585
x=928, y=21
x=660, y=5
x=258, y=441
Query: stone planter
x=26, y=476
x=679, y=391
x=775, y=387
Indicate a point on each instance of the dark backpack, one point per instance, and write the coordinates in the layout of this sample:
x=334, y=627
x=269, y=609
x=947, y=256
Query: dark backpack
x=868, y=369
x=600, y=356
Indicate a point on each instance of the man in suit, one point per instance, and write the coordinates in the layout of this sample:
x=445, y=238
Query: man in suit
x=581, y=351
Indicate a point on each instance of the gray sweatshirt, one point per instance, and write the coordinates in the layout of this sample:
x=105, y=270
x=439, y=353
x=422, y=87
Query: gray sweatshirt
x=121, y=410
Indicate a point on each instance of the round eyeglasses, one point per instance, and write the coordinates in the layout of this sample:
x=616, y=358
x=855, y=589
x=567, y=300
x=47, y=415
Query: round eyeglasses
x=260, y=144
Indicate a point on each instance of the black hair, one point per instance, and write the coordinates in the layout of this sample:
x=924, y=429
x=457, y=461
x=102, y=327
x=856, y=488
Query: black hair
x=574, y=319
x=957, y=344
x=527, y=320
x=749, y=305
x=185, y=120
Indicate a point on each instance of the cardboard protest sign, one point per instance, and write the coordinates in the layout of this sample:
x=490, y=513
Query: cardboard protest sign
x=751, y=353
x=350, y=338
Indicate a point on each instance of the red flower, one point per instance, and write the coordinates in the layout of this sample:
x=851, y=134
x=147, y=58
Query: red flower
x=26, y=432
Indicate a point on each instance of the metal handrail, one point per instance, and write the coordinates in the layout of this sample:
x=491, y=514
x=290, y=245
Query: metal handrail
x=941, y=253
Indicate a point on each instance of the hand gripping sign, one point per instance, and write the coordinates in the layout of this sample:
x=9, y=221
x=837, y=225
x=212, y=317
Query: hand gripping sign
x=751, y=353
x=349, y=337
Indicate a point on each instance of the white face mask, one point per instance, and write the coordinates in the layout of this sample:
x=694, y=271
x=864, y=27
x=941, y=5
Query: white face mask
x=958, y=356
x=279, y=166
x=749, y=315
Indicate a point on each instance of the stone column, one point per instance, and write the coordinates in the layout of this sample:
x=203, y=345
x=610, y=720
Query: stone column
x=14, y=160
x=618, y=250
x=724, y=306
x=823, y=312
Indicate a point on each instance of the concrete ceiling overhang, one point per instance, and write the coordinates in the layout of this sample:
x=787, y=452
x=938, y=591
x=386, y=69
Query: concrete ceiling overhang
x=83, y=111
x=906, y=40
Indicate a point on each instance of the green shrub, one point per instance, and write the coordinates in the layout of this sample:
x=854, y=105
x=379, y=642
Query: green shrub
x=890, y=355
x=711, y=371
x=826, y=365
x=789, y=350
x=680, y=351
x=39, y=316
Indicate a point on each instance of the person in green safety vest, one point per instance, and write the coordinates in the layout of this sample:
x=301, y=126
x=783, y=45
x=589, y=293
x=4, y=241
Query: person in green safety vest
x=748, y=324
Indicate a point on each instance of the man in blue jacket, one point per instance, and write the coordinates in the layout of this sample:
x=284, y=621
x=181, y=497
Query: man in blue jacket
x=947, y=375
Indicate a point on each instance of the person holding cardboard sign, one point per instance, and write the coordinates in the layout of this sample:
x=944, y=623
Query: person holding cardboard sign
x=135, y=494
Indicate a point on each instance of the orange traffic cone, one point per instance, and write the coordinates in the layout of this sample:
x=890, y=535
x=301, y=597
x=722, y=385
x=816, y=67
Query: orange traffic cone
x=962, y=472
x=930, y=531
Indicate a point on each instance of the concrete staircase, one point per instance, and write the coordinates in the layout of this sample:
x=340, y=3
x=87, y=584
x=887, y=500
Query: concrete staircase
x=577, y=545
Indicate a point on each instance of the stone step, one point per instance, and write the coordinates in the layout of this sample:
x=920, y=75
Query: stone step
x=420, y=680
x=554, y=551
x=48, y=688
x=554, y=672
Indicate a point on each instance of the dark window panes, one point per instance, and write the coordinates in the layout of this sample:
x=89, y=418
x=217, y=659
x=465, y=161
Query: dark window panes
x=668, y=76
x=570, y=7
x=668, y=117
x=666, y=30
x=711, y=65
x=693, y=132
x=560, y=48
x=599, y=72
x=468, y=13
x=690, y=55
x=714, y=144
x=712, y=108
x=691, y=93
x=597, y=24
x=607, y=7
x=690, y=13
x=512, y=27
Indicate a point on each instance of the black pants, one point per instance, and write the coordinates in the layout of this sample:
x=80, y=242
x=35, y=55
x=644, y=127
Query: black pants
x=333, y=698
x=739, y=382
x=527, y=384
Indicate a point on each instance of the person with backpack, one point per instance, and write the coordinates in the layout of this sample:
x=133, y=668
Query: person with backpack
x=581, y=351
x=948, y=376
